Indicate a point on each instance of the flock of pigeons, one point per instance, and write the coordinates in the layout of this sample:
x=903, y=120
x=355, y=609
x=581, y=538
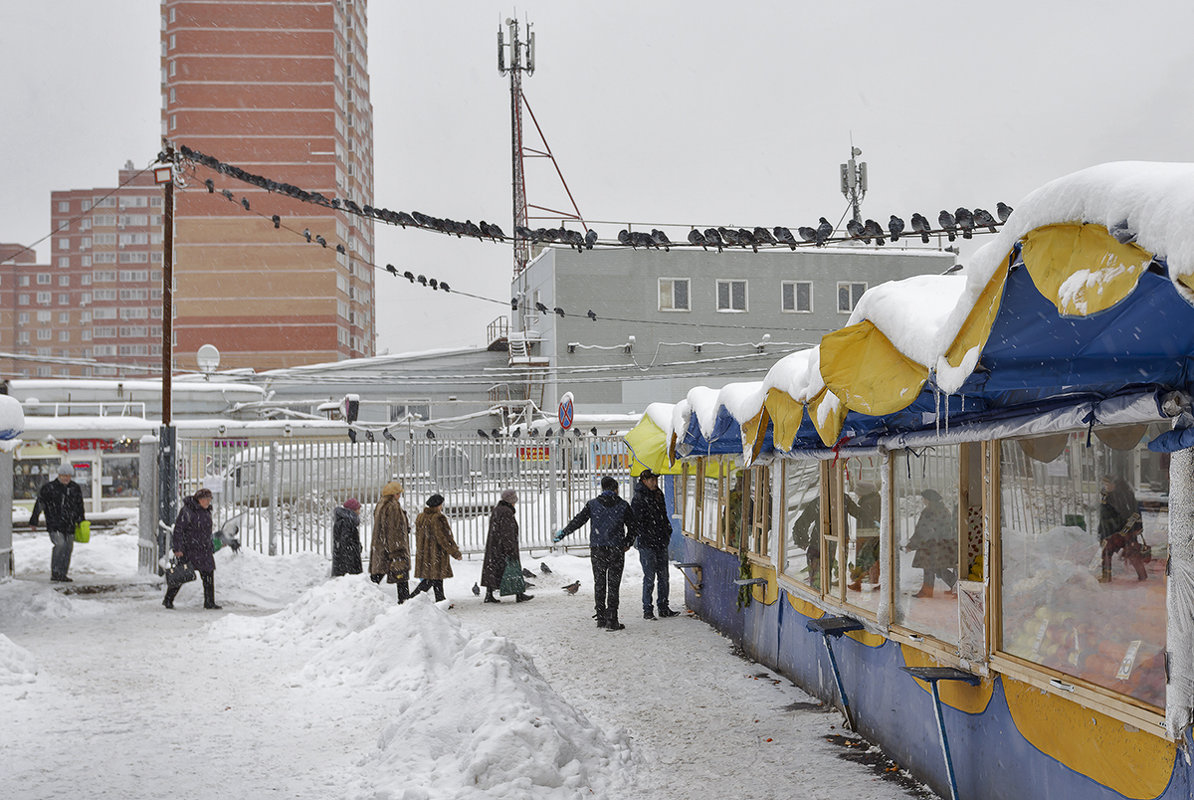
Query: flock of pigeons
x=962, y=221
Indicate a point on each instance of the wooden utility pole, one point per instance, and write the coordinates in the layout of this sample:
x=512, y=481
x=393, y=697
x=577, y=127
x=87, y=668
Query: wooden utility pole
x=167, y=440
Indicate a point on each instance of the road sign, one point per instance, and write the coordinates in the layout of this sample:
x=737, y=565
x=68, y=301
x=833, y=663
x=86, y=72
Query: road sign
x=162, y=175
x=566, y=411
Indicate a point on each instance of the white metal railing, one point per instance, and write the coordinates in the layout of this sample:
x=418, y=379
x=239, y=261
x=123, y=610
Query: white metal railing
x=283, y=493
x=102, y=408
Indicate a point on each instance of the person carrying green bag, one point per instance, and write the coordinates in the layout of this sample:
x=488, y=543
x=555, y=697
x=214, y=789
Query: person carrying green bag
x=502, y=567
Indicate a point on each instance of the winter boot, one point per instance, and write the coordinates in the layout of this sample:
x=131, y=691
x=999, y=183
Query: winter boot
x=667, y=612
x=489, y=598
x=648, y=614
x=612, y=624
x=600, y=617
x=522, y=597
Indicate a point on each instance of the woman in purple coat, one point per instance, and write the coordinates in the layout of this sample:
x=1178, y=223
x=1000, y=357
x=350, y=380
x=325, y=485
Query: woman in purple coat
x=192, y=544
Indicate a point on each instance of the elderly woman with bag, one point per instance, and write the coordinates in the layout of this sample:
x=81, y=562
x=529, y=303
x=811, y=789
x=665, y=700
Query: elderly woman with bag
x=433, y=545
x=389, y=553
x=501, y=548
x=192, y=545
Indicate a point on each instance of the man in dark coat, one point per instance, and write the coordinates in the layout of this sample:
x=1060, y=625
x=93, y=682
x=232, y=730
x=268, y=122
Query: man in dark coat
x=62, y=502
x=652, y=533
x=346, y=539
x=192, y=544
x=609, y=538
x=501, y=545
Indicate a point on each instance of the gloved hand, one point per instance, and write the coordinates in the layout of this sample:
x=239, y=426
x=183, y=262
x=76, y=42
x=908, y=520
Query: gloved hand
x=559, y=535
x=375, y=578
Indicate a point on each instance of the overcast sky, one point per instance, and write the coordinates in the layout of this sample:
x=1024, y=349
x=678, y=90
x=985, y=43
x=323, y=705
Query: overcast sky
x=686, y=111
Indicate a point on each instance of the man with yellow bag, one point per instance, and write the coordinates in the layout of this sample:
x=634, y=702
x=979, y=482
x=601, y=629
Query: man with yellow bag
x=62, y=502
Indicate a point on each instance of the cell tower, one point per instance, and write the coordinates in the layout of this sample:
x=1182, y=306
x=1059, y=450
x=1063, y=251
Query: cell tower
x=854, y=181
x=522, y=59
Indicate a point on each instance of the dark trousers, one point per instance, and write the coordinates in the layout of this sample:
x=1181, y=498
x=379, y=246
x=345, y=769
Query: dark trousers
x=655, y=565
x=209, y=589
x=403, y=590
x=608, y=563
x=64, y=544
x=428, y=584
x=946, y=575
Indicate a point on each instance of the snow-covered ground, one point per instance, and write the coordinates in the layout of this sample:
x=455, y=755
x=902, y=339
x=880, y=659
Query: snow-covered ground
x=308, y=687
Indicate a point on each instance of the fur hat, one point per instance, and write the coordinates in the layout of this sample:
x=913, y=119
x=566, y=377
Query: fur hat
x=393, y=487
x=510, y=496
x=66, y=469
x=352, y=504
x=435, y=501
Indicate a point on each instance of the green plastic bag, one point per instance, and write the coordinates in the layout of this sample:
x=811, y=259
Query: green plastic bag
x=512, y=580
x=83, y=531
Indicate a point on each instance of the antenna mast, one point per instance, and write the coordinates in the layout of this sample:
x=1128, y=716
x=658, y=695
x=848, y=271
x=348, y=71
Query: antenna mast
x=854, y=181
x=522, y=59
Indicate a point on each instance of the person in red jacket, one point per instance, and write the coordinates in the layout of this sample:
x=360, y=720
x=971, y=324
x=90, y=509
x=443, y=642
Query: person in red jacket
x=192, y=544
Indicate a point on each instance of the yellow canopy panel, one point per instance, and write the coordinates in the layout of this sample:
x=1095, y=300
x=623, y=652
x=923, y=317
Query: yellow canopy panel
x=1081, y=267
x=862, y=367
x=649, y=449
x=977, y=327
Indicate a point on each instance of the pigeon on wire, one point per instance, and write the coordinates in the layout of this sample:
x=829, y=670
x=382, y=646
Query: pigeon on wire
x=872, y=229
x=592, y=315
x=276, y=220
x=713, y=238
x=784, y=236
x=244, y=201
x=1003, y=210
x=896, y=226
x=729, y=236
x=590, y=239
x=807, y=234
x=748, y=239
x=307, y=233
x=322, y=241
x=921, y=225
x=854, y=228
x=572, y=587
x=660, y=239
x=546, y=570
x=824, y=231
x=696, y=237
x=947, y=223
x=983, y=219
x=624, y=237
x=763, y=236
x=965, y=221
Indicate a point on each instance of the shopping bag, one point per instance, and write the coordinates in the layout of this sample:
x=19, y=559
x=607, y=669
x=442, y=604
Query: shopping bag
x=83, y=531
x=512, y=580
x=178, y=573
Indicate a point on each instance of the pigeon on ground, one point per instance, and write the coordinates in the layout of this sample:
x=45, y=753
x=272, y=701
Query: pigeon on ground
x=476, y=590
x=896, y=226
x=921, y=225
x=983, y=218
x=965, y=221
x=947, y=223
x=824, y=231
x=572, y=587
x=546, y=570
x=872, y=229
x=696, y=237
x=526, y=573
x=1003, y=210
x=784, y=236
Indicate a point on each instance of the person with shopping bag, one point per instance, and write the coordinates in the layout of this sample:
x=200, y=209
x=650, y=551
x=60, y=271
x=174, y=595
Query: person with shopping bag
x=61, y=500
x=502, y=560
x=192, y=545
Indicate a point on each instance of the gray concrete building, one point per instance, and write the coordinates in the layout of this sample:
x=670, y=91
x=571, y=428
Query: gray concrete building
x=664, y=322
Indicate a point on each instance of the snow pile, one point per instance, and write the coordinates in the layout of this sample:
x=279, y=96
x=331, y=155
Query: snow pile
x=321, y=615
x=251, y=578
x=25, y=599
x=17, y=664
x=475, y=719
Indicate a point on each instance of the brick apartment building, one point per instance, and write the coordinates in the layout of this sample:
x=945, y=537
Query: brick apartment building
x=280, y=90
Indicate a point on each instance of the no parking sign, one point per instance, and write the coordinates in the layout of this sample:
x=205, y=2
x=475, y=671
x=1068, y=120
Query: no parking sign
x=566, y=411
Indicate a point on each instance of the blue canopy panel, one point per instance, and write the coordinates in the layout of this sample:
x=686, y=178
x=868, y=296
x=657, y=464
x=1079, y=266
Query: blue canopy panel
x=724, y=439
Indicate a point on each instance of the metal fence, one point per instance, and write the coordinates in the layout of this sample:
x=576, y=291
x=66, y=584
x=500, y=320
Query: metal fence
x=282, y=493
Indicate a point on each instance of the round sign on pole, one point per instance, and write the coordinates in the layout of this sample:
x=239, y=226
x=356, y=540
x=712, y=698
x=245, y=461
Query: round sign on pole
x=566, y=411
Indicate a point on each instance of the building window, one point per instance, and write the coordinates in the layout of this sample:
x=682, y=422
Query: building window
x=44, y=279
x=64, y=206
x=44, y=335
x=23, y=318
x=23, y=280
x=64, y=299
x=797, y=296
x=731, y=295
x=64, y=280
x=64, y=336
x=63, y=317
x=43, y=316
x=848, y=295
x=64, y=244
x=43, y=298
x=64, y=261
x=673, y=294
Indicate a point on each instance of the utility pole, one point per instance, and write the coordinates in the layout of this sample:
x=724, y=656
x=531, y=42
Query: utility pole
x=522, y=59
x=854, y=181
x=167, y=447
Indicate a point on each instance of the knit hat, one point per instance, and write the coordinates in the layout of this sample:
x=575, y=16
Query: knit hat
x=609, y=484
x=352, y=504
x=66, y=469
x=510, y=496
x=435, y=501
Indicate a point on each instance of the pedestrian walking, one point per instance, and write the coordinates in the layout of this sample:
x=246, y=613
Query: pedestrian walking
x=609, y=539
x=192, y=544
x=652, y=533
x=501, y=547
x=936, y=544
x=61, y=500
x=346, y=539
x=389, y=552
x=433, y=546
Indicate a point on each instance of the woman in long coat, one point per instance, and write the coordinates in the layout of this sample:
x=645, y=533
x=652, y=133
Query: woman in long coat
x=346, y=539
x=501, y=545
x=433, y=545
x=935, y=543
x=191, y=543
x=389, y=552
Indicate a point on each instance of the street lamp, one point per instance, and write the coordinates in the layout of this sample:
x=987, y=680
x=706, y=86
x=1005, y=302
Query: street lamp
x=209, y=360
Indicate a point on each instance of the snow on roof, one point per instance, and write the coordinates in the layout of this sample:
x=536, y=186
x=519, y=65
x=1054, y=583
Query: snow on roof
x=374, y=361
x=922, y=315
x=660, y=414
x=31, y=387
x=12, y=418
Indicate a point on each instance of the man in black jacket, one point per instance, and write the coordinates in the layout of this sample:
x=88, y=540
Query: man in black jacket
x=61, y=500
x=653, y=529
x=610, y=535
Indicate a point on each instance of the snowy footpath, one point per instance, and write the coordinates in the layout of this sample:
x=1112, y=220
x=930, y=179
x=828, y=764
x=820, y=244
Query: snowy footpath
x=308, y=687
